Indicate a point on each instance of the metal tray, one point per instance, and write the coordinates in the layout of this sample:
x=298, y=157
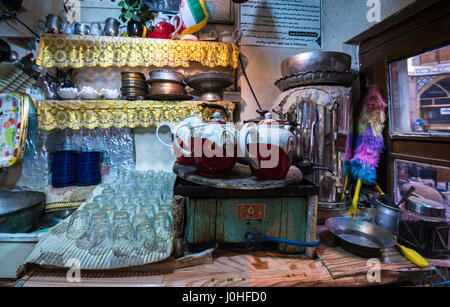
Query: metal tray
x=359, y=237
x=321, y=77
x=20, y=211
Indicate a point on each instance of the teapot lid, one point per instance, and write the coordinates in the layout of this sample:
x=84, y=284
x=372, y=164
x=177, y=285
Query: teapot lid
x=269, y=121
x=217, y=119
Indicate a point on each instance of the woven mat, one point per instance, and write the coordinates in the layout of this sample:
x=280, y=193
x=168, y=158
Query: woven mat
x=341, y=263
x=55, y=250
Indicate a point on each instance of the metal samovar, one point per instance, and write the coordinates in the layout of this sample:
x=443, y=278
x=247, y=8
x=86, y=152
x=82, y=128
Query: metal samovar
x=316, y=125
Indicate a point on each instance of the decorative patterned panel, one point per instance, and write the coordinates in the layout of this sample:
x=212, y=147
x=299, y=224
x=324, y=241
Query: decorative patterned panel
x=61, y=50
x=78, y=114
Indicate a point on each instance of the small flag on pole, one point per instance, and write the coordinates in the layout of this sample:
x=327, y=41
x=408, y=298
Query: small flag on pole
x=194, y=15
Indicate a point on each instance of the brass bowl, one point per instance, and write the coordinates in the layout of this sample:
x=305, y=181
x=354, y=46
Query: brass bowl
x=166, y=74
x=211, y=85
x=166, y=87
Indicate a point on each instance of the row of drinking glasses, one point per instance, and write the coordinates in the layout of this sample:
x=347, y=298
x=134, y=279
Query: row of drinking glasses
x=134, y=215
x=123, y=233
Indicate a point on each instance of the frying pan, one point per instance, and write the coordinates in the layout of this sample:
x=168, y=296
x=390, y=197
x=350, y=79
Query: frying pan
x=359, y=237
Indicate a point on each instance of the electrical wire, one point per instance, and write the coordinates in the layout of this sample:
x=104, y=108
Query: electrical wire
x=23, y=24
x=246, y=78
x=248, y=82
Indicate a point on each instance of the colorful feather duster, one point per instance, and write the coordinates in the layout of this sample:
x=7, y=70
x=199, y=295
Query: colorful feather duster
x=369, y=144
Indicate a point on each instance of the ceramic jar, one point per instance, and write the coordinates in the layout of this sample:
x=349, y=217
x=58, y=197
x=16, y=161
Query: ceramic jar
x=268, y=147
x=182, y=149
x=215, y=147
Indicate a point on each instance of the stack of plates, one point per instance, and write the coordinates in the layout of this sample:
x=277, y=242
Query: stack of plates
x=134, y=85
x=63, y=169
x=88, y=168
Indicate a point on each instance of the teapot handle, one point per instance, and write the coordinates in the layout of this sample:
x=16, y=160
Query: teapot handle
x=157, y=134
x=247, y=154
x=174, y=22
x=237, y=35
x=175, y=140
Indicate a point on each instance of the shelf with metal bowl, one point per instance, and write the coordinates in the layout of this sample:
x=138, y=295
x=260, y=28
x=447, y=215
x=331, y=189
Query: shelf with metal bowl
x=76, y=114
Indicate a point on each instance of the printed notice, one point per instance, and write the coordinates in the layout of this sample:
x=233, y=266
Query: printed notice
x=281, y=23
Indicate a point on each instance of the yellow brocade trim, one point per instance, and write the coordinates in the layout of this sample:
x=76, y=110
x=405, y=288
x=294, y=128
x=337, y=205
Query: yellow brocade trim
x=76, y=114
x=61, y=50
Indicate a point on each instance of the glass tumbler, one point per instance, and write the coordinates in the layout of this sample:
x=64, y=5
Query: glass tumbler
x=109, y=193
x=130, y=208
x=100, y=238
x=78, y=224
x=101, y=199
x=145, y=238
x=92, y=208
x=100, y=216
x=154, y=201
x=123, y=239
x=163, y=226
x=139, y=219
x=121, y=218
x=141, y=194
x=148, y=210
x=110, y=208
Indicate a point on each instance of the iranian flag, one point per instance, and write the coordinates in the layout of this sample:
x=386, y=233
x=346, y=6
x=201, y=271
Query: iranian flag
x=194, y=15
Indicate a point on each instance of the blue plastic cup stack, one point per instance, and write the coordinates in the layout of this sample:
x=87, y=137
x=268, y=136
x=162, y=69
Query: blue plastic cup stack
x=88, y=168
x=63, y=169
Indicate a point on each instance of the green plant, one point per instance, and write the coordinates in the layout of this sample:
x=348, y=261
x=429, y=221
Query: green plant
x=137, y=10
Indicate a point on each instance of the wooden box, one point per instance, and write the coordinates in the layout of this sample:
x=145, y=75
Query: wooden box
x=225, y=216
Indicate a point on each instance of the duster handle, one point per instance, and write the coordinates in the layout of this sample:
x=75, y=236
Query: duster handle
x=354, y=205
x=379, y=190
x=345, y=188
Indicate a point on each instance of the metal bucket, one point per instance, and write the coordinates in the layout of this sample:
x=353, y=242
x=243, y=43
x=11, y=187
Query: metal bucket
x=387, y=216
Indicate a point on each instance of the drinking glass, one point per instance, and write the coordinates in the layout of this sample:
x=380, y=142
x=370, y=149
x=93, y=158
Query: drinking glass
x=145, y=238
x=153, y=201
x=100, y=216
x=78, y=224
x=141, y=193
x=101, y=199
x=139, y=219
x=130, y=208
x=123, y=239
x=148, y=210
x=118, y=202
x=109, y=192
x=100, y=239
x=92, y=207
x=110, y=208
x=121, y=218
x=163, y=226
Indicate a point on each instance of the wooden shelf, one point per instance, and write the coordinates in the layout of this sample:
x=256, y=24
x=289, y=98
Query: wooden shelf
x=62, y=50
x=76, y=114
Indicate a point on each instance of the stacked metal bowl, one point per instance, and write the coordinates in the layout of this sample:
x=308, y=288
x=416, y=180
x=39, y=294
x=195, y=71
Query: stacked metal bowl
x=167, y=85
x=134, y=86
x=316, y=68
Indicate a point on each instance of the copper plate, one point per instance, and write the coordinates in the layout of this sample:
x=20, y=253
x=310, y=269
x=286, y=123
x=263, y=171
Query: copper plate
x=250, y=211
